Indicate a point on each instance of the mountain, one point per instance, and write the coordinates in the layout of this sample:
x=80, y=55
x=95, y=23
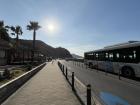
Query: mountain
x=47, y=50
x=76, y=56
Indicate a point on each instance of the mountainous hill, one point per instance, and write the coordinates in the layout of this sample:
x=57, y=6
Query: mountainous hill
x=76, y=56
x=47, y=49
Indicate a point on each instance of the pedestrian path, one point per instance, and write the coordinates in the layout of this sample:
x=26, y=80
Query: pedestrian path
x=47, y=87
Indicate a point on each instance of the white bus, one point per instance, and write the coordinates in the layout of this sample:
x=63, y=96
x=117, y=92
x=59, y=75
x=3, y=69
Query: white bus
x=124, y=57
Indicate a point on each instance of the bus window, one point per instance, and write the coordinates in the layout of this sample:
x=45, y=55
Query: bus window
x=106, y=55
x=111, y=56
x=94, y=56
x=130, y=56
x=97, y=55
x=134, y=54
x=117, y=55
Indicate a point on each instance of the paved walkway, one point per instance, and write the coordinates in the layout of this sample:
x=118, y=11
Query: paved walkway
x=47, y=87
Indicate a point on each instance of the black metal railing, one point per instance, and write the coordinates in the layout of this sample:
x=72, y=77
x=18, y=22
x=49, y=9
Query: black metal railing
x=83, y=92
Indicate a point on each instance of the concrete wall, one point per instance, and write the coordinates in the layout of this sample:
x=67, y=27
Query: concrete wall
x=7, y=89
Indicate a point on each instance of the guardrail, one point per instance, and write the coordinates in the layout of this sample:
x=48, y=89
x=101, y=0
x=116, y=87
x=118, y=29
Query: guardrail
x=9, y=88
x=84, y=93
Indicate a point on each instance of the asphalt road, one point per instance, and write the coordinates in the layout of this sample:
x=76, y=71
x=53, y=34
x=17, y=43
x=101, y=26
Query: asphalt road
x=107, y=86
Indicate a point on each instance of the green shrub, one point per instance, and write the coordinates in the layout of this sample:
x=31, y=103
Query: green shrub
x=7, y=74
x=29, y=67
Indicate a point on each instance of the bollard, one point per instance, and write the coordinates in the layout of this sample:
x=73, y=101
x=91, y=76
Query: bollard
x=105, y=72
x=61, y=66
x=63, y=69
x=88, y=94
x=66, y=73
x=73, y=81
x=119, y=74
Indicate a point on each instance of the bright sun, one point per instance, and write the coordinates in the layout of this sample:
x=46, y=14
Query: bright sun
x=51, y=27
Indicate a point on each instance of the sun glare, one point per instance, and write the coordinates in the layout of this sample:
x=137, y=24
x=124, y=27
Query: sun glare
x=51, y=27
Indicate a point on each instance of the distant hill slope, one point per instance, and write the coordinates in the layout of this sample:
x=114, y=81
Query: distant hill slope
x=76, y=56
x=47, y=49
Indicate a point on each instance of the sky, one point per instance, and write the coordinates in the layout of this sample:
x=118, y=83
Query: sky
x=77, y=25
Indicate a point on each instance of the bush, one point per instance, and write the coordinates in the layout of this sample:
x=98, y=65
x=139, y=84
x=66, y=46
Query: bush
x=7, y=74
x=29, y=67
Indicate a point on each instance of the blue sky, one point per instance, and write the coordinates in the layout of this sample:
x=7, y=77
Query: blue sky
x=82, y=25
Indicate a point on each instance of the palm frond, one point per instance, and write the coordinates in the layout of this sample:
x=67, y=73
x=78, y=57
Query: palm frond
x=13, y=28
x=7, y=27
x=1, y=23
x=12, y=33
x=33, y=26
x=29, y=27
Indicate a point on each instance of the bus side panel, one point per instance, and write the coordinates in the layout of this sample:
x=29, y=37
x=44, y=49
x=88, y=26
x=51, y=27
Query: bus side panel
x=105, y=66
x=108, y=66
x=93, y=62
x=135, y=67
x=101, y=65
x=116, y=67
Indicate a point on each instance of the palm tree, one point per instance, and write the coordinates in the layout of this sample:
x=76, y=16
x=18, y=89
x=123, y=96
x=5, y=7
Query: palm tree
x=4, y=31
x=1, y=23
x=33, y=26
x=17, y=30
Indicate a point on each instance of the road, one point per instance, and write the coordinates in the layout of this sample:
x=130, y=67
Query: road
x=106, y=86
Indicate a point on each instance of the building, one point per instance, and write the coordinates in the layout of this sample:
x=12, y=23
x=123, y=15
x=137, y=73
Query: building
x=18, y=55
x=4, y=49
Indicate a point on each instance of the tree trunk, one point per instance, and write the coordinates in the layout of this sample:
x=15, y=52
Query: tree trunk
x=34, y=35
x=17, y=40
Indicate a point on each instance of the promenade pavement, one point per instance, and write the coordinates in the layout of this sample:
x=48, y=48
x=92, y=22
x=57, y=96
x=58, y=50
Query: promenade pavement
x=47, y=87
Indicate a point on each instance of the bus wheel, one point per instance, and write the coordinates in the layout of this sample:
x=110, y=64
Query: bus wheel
x=127, y=71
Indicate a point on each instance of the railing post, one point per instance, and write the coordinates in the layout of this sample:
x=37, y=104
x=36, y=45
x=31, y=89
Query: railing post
x=119, y=74
x=88, y=94
x=61, y=66
x=73, y=81
x=105, y=72
x=66, y=73
x=63, y=69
